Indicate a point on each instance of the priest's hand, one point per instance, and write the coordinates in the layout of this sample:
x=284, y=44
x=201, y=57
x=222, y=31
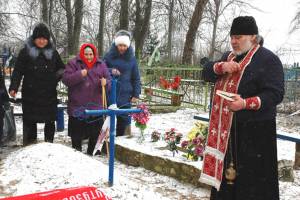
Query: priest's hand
x=230, y=67
x=237, y=104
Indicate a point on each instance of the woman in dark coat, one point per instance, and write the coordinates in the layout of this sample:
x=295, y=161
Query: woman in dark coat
x=40, y=67
x=122, y=63
x=3, y=99
x=83, y=76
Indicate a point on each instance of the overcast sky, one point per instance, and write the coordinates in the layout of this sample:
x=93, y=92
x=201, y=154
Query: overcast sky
x=274, y=26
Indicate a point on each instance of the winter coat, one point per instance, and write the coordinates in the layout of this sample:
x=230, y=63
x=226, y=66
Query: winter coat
x=84, y=92
x=129, y=84
x=40, y=69
x=3, y=95
x=262, y=77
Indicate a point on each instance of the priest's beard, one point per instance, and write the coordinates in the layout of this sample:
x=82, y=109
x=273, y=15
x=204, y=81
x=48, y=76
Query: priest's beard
x=244, y=49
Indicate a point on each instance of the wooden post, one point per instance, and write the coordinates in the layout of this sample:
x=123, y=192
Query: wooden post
x=205, y=96
x=297, y=157
x=176, y=99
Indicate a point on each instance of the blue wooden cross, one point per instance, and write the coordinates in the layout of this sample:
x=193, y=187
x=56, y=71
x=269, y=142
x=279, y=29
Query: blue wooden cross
x=112, y=113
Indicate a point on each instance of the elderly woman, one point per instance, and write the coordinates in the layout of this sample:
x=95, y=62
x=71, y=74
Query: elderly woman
x=3, y=100
x=40, y=67
x=83, y=76
x=122, y=63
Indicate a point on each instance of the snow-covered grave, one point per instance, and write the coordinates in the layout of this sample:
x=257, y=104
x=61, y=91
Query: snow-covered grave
x=46, y=166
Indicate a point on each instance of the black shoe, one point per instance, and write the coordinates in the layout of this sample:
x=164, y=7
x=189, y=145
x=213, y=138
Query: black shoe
x=49, y=140
x=98, y=153
x=29, y=142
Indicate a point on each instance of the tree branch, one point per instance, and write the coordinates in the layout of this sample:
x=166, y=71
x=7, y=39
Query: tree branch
x=16, y=13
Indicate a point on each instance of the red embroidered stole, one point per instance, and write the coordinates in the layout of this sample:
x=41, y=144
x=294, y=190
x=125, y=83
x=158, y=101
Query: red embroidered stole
x=220, y=124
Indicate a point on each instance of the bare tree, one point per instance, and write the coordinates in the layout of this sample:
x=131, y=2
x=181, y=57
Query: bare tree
x=44, y=11
x=295, y=24
x=70, y=25
x=74, y=24
x=215, y=13
x=29, y=8
x=191, y=34
x=4, y=18
x=170, y=28
x=141, y=25
x=57, y=23
x=46, y=15
x=101, y=27
x=78, y=4
x=50, y=12
x=215, y=10
x=113, y=19
x=124, y=15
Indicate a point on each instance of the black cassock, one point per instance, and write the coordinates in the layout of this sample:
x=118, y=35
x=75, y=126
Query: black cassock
x=253, y=132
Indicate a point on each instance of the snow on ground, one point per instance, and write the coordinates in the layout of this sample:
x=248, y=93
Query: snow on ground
x=46, y=166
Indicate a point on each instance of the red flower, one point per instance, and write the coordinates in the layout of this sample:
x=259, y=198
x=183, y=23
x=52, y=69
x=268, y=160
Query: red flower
x=174, y=85
x=142, y=117
x=196, y=141
x=164, y=83
x=184, y=144
x=199, y=150
x=177, y=79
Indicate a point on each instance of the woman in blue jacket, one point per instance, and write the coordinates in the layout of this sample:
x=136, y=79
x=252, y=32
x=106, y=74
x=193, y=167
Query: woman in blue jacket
x=123, y=65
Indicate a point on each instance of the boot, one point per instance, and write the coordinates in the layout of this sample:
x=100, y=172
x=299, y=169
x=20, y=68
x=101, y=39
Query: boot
x=49, y=131
x=29, y=133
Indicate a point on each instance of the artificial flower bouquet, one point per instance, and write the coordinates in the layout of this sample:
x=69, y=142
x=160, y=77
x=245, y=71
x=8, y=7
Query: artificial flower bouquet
x=195, y=144
x=172, y=137
x=141, y=119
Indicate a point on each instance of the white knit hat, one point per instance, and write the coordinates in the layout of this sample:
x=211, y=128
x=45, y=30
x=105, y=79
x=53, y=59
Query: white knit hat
x=122, y=37
x=122, y=40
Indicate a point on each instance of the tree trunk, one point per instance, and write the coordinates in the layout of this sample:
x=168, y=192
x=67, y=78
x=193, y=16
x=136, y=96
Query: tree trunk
x=215, y=16
x=191, y=34
x=45, y=13
x=138, y=25
x=50, y=27
x=170, y=29
x=124, y=15
x=101, y=28
x=142, y=26
x=69, y=26
x=77, y=24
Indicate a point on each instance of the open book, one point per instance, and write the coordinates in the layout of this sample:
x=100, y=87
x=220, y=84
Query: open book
x=226, y=95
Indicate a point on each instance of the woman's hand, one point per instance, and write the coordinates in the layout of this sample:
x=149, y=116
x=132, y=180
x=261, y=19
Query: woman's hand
x=13, y=93
x=134, y=100
x=84, y=72
x=103, y=81
x=115, y=72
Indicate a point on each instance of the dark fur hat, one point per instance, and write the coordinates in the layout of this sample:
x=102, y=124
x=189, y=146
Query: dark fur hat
x=41, y=30
x=244, y=25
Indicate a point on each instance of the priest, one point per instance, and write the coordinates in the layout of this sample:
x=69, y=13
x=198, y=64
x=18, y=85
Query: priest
x=240, y=158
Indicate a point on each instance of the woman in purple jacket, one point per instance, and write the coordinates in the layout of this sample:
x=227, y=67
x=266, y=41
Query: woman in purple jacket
x=83, y=77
